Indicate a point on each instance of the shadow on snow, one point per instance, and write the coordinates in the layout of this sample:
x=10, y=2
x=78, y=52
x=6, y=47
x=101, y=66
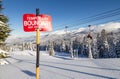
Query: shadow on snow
x=79, y=71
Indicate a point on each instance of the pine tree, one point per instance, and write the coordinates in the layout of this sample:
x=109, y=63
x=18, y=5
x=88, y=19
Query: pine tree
x=85, y=46
x=102, y=44
x=76, y=43
x=51, y=49
x=4, y=26
x=118, y=49
x=71, y=48
x=63, y=46
x=112, y=53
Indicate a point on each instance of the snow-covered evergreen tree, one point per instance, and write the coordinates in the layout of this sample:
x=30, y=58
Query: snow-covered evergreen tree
x=51, y=49
x=63, y=46
x=4, y=26
x=85, y=49
x=112, y=51
x=71, y=48
x=102, y=44
x=94, y=50
x=118, y=48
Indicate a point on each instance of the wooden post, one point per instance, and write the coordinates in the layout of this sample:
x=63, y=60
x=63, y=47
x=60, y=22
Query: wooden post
x=38, y=51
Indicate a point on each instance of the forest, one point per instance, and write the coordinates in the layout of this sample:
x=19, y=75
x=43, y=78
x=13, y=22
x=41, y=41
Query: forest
x=101, y=45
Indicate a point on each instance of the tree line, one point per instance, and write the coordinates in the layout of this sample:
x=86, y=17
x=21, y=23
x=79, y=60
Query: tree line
x=102, y=45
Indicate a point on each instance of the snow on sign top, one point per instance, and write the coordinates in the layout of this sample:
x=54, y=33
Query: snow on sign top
x=31, y=22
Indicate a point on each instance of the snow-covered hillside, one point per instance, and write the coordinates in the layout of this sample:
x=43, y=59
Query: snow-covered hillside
x=112, y=26
x=59, y=67
x=109, y=27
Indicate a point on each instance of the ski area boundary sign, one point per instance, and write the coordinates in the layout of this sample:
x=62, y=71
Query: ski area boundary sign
x=31, y=22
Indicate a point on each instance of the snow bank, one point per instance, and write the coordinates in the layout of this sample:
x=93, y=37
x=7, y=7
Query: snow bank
x=3, y=62
x=20, y=53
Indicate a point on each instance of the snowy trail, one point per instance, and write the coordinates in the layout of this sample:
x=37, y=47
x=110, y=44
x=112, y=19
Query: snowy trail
x=23, y=67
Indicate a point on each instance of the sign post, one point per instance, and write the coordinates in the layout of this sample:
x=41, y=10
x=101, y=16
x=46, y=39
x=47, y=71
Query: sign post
x=37, y=43
x=37, y=23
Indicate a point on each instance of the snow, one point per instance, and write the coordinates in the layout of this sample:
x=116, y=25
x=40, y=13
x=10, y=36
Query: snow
x=2, y=23
x=80, y=29
x=24, y=53
x=22, y=66
x=111, y=26
x=59, y=32
x=2, y=51
x=3, y=62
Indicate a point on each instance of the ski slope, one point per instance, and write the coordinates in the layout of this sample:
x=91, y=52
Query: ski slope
x=22, y=66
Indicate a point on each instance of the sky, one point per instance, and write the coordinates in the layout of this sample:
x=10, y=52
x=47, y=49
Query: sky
x=63, y=12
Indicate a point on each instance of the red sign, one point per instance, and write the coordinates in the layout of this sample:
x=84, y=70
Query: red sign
x=31, y=22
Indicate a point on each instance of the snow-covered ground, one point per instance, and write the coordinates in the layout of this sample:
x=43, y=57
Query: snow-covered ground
x=22, y=66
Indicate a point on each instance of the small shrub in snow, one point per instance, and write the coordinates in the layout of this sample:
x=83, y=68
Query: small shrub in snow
x=4, y=55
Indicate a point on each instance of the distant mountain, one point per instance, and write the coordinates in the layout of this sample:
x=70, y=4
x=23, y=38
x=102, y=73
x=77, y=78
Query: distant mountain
x=61, y=34
x=111, y=26
x=19, y=40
